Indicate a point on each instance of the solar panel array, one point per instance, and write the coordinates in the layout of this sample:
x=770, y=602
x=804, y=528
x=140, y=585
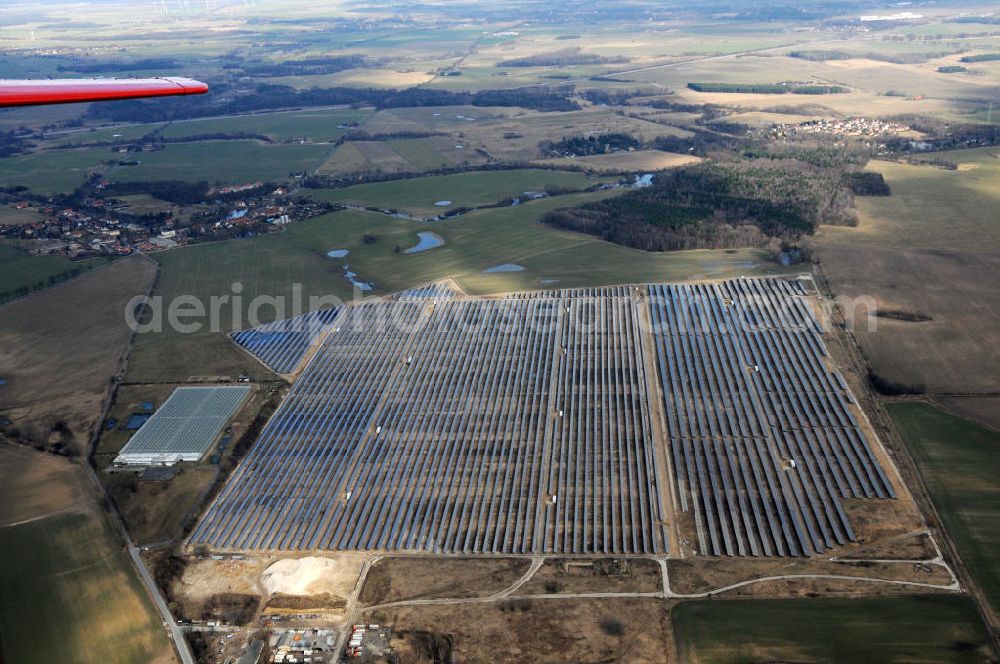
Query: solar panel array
x=524, y=424
x=436, y=291
x=185, y=425
x=764, y=445
x=502, y=425
x=281, y=344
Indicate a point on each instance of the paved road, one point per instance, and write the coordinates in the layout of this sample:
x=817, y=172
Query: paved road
x=180, y=643
x=176, y=633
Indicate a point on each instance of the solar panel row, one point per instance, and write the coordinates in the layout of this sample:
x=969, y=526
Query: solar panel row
x=472, y=426
x=764, y=444
x=524, y=424
x=434, y=291
x=281, y=344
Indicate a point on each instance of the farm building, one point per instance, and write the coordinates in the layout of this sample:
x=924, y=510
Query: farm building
x=184, y=427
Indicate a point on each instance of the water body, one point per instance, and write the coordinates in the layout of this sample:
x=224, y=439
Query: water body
x=427, y=241
x=337, y=253
x=641, y=182
x=443, y=203
x=548, y=281
x=506, y=267
x=353, y=278
x=3, y=381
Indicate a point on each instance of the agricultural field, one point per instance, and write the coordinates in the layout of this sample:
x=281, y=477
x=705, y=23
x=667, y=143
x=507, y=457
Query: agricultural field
x=315, y=125
x=944, y=332
x=67, y=589
x=230, y=162
x=115, y=134
x=53, y=172
x=434, y=195
x=399, y=156
x=959, y=462
x=892, y=629
x=60, y=348
x=877, y=88
x=936, y=247
x=20, y=270
x=931, y=207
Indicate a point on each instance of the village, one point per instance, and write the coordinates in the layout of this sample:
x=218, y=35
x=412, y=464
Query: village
x=93, y=225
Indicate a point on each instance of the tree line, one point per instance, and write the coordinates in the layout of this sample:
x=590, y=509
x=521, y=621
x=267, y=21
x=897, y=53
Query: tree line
x=227, y=99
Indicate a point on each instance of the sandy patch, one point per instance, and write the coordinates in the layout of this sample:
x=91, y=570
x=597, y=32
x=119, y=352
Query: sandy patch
x=312, y=575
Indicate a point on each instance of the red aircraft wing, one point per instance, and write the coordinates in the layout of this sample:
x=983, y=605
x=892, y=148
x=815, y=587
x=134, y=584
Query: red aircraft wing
x=68, y=91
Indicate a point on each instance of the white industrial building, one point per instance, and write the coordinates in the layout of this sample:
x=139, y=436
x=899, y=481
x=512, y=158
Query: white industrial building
x=184, y=427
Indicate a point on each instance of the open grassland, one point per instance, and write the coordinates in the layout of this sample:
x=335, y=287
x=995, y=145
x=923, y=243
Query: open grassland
x=398, y=579
x=890, y=629
x=407, y=155
x=541, y=630
x=56, y=172
x=60, y=347
x=640, y=160
x=270, y=265
x=158, y=511
x=67, y=590
x=118, y=134
x=10, y=215
x=486, y=238
x=19, y=269
x=516, y=137
x=405, y=75
x=222, y=161
x=959, y=462
x=419, y=196
x=318, y=125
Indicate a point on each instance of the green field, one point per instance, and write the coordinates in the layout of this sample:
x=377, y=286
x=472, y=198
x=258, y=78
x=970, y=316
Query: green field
x=873, y=629
x=54, y=172
x=417, y=196
x=68, y=594
x=317, y=125
x=120, y=134
x=222, y=161
x=269, y=265
x=960, y=463
x=19, y=269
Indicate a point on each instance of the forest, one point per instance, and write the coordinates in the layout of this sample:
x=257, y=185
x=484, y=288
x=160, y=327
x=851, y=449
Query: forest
x=738, y=202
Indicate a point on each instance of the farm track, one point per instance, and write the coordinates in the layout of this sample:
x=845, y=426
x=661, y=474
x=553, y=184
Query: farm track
x=510, y=592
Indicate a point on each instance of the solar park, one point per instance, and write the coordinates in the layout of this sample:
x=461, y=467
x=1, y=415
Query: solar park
x=560, y=421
